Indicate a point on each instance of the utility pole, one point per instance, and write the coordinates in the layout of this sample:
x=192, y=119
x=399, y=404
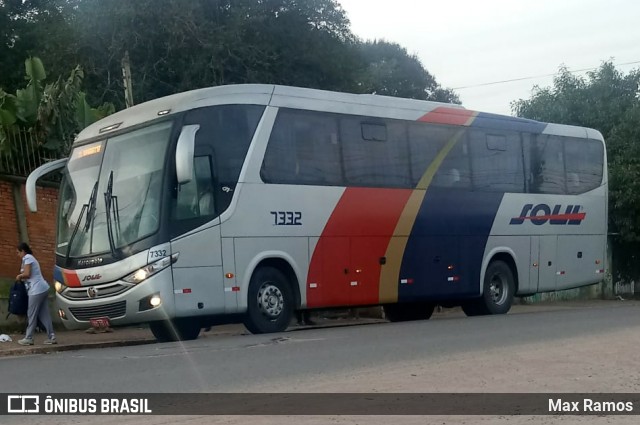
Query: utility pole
x=126, y=76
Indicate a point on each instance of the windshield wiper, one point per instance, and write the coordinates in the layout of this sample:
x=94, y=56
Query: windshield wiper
x=89, y=208
x=109, y=204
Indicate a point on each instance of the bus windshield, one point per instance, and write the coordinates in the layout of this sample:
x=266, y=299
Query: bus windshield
x=127, y=170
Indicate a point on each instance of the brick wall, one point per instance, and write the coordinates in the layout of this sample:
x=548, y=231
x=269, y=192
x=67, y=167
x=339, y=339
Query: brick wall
x=40, y=228
x=9, y=264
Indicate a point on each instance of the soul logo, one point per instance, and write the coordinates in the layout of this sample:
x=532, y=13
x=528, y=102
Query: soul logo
x=542, y=213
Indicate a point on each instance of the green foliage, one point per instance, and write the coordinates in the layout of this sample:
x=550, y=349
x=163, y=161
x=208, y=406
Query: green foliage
x=28, y=99
x=8, y=109
x=389, y=70
x=606, y=100
x=624, y=175
x=598, y=101
x=179, y=45
x=54, y=112
x=31, y=28
x=5, y=286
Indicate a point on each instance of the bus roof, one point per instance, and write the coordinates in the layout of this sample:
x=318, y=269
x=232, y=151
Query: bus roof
x=284, y=96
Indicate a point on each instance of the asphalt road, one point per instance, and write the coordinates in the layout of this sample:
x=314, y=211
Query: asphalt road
x=276, y=362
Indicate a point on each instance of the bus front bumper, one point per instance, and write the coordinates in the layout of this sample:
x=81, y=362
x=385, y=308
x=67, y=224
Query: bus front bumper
x=148, y=301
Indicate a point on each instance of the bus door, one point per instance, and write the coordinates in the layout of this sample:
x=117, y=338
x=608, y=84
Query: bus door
x=367, y=258
x=543, y=262
x=330, y=285
x=350, y=271
x=195, y=227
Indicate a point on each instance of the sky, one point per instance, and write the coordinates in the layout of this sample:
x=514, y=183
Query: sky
x=467, y=44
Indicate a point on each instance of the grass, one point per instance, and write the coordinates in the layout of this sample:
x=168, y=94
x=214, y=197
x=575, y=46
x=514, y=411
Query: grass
x=5, y=284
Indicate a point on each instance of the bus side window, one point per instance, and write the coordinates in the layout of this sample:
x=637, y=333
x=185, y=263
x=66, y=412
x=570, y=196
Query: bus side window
x=195, y=199
x=455, y=171
x=547, y=165
x=225, y=132
x=375, y=152
x=425, y=142
x=496, y=161
x=317, y=151
x=584, y=164
x=303, y=149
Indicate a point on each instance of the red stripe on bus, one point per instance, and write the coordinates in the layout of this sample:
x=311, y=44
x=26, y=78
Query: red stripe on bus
x=352, y=245
x=71, y=278
x=445, y=115
x=578, y=216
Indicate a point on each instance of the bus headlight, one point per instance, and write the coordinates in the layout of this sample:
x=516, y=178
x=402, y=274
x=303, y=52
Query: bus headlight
x=147, y=271
x=59, y=286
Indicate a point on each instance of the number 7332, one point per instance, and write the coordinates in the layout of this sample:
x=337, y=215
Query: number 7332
x=287, y=218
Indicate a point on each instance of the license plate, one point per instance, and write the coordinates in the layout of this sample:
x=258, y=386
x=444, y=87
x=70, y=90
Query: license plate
x=100, y=322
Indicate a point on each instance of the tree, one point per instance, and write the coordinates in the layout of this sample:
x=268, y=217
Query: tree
x=54, y=113
x=608, y=101
x=29, y=28
x=624, y=175
x=389, y=70
x=600, y=101
x=178, y=45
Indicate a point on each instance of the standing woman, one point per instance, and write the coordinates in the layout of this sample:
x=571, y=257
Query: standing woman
x=38, y=291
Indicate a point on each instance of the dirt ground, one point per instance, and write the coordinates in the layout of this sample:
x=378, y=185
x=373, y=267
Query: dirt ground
x=602, y=363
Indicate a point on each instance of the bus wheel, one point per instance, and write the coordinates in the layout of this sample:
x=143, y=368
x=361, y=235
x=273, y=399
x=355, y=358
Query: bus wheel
x=408, y=311
x=497, y=294
x=175, y=330
x=270, y=302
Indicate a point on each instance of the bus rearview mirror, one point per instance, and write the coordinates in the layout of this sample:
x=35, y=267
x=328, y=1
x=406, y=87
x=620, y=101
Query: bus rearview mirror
x=184, y=153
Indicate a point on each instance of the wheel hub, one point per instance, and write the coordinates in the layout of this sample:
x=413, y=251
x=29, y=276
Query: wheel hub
x=270, y=300
x=497, y=289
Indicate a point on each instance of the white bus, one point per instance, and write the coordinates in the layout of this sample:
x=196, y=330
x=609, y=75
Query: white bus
x=246, y=203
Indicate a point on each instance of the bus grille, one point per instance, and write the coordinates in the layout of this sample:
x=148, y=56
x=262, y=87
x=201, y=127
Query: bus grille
x=103, y=291
x=112, y=311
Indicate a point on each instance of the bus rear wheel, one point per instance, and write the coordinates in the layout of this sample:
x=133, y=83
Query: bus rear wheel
x=498, y=291
x=408, y=311
x=270, y=302
x=175, y=330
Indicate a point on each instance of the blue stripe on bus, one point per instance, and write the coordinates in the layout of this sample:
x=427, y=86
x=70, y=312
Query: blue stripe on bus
x=500, y=122
x=443, y=256
x=451, y=229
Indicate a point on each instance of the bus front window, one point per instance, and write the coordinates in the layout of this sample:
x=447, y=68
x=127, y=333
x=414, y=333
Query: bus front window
x=131, y=164
x=76, y=189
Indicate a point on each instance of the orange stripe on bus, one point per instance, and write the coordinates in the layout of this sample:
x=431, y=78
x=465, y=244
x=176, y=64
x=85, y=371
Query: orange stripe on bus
x=453, y=116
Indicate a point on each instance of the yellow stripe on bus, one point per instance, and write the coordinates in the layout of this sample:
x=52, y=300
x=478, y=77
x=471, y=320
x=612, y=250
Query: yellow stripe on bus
x=390, y=273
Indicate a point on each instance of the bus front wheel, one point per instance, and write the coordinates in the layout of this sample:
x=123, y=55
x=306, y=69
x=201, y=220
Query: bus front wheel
x=270, y=302
x=175, y=330
x=497, y=294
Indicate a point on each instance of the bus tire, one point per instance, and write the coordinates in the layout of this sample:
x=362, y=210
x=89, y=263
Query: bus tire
x=498, y=292
x=408, y=311
x=175, y=330
x=270, y=302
